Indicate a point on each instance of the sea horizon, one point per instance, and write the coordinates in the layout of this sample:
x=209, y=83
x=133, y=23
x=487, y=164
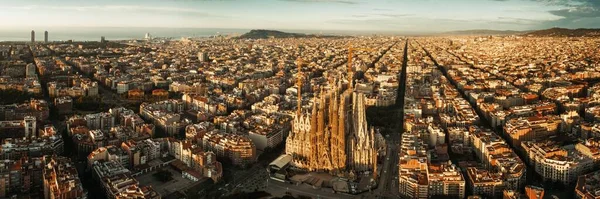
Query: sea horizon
x=112, y=33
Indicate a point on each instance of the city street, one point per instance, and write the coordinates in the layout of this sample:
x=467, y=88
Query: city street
x=388, y=180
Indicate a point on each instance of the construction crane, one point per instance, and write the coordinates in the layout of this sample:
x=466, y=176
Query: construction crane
x=350, y=67
x=299, y=79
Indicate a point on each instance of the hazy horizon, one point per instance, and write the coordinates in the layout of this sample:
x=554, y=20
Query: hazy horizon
x=124, y=33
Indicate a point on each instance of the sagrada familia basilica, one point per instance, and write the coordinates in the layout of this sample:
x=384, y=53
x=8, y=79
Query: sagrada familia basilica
x=333, y=136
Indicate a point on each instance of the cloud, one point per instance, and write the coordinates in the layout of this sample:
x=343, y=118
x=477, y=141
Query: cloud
x=412, y=23
x=124, y=9
x=360, y=16
x=201, y=0
x=577, y=12
x=518, y=21
x=324, y=1
x=572, y=13
x=570, y=3
x=396, y=15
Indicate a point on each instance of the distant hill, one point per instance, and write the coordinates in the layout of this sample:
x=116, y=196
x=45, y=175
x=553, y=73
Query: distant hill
x=485, y=32
x=563, y=32
x=553, y=32
x=265, y=34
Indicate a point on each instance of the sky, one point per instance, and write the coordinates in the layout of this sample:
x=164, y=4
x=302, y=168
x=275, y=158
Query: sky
x=348, y=15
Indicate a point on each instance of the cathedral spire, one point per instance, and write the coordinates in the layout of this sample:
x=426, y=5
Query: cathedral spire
x=313, y=136
x=374, y=153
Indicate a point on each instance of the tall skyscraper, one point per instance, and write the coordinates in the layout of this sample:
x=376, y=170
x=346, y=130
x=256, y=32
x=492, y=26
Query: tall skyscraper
x=45, y=36
x=32, y=36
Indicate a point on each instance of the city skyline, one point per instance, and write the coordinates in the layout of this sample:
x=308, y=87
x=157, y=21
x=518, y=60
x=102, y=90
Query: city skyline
x=296, y=99
x=342, y=15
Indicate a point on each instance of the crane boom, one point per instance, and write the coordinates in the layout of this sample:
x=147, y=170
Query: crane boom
x=350, y=68
x=299, y=79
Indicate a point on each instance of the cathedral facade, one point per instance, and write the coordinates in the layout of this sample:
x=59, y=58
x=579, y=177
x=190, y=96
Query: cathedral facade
x=333, y=136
